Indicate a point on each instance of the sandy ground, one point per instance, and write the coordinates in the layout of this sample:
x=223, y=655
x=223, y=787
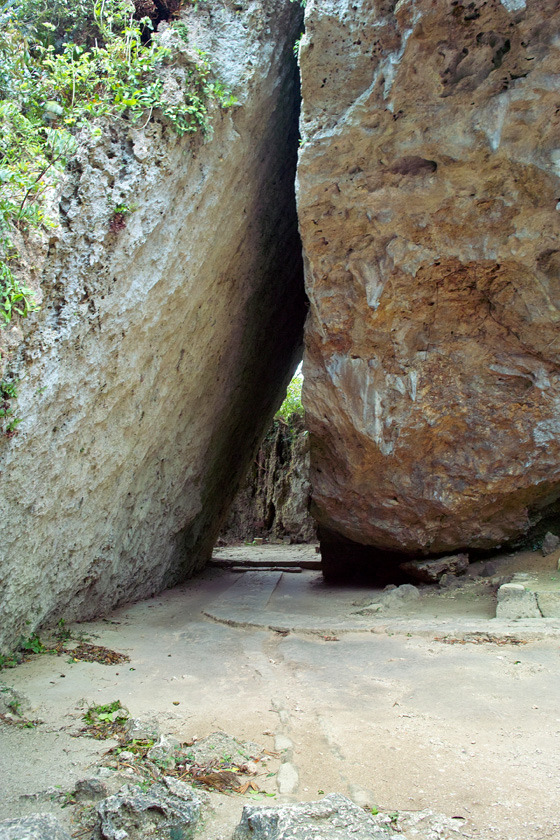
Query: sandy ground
x=467, y=729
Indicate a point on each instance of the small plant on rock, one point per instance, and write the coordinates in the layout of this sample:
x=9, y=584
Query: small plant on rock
x=292, y=403
x=8, y=421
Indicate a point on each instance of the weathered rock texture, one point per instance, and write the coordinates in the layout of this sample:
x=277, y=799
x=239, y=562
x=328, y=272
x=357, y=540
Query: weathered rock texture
x=162, y=347
x=169, y=809
x=274, y=499
x=429, y=208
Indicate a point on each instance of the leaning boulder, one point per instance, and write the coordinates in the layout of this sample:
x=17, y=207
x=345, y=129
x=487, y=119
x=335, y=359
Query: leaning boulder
x=428, y=192
x=166, y=334
x=333, y=818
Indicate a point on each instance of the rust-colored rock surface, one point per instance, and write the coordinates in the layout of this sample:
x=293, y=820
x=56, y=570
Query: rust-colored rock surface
x=429, y=208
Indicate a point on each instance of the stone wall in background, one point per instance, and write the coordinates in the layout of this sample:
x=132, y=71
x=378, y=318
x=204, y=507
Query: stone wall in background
x=273, y=501
x=428, y=200
x=163, y=345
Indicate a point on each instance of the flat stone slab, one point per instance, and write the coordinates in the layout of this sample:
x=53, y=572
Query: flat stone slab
x=287, y=778
x=251, y=568
x=333, y=818
x=249, y=595
x=265, y=555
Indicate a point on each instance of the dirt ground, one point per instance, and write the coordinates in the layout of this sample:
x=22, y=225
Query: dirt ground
x=433, y=704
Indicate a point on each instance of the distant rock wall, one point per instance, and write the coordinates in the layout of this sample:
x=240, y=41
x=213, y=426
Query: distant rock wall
x=273, y=501
x=164, y=342
x=428, y=200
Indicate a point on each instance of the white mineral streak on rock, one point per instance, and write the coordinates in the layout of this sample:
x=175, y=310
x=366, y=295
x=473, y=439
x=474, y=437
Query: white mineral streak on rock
x=514, y=5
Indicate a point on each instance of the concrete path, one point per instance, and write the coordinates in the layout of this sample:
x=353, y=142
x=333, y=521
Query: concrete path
x=271, y=600
x=418, y=714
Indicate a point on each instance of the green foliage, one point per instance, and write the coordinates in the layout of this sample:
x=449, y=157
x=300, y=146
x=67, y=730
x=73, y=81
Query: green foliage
x=292, y=403
x=32, y=645
x=55, y=21
x=14, y=297
x=63, y=633
x=9, y=660
x=26, y=645
x=8, y=390
x=8, y=421
x=64, y=64
x=104, y=714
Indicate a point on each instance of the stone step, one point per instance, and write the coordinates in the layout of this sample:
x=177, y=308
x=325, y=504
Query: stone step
x=245, y=598
x=261, y=561
x=270, y=568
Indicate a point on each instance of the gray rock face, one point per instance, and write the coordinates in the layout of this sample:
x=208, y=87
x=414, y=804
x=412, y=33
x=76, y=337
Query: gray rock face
x=527, y=597
x=549, y=604
x=35, y=827
x=274, y=499
x=91, y=789
x=161, y=349
x=134, y=815
x=333, y=818
x=428, y=207
x=219, y=745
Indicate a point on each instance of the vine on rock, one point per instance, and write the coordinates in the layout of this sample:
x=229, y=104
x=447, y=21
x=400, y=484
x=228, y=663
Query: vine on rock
x=63, y=65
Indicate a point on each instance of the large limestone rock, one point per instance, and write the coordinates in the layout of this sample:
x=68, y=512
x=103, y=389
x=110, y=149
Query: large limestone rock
x=162, y=346
x=332, y=818
x=169, y=809
x=429, y=187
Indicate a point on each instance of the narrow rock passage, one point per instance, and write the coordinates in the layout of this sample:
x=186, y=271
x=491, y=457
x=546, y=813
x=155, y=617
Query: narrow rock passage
x=468, y=730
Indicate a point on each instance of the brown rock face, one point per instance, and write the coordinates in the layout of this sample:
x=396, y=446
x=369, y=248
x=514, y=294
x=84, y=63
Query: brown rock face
x=429, y=208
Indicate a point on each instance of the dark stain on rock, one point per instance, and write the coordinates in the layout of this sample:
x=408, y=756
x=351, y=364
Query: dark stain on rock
x=412, y=165
x=465, y=69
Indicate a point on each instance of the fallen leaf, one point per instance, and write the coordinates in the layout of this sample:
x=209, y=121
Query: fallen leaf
x=245, y=787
